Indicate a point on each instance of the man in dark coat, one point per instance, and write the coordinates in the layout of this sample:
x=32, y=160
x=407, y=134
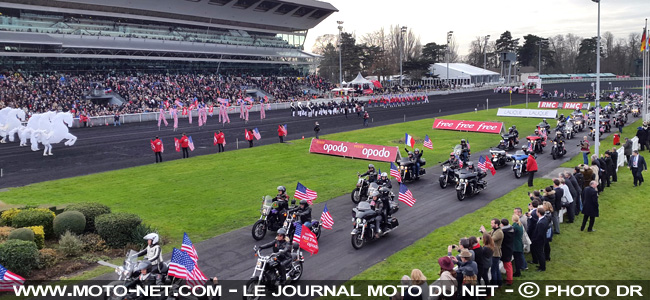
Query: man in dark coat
x=532, y=224
x=637, y=166
x=507, y=249
x=538, y=239
x=590, y=205
x=609, y=166
x=627, y=149
x=587, y=175
x=642, y=134
x=557, y=205
x=614, y=155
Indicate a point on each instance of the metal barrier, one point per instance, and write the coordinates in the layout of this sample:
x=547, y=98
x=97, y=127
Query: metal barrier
x=588, y=80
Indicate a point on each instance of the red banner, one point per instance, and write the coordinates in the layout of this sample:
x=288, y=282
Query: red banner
x=571, y=105
x=547, y=104
x=486, y=127
x=576, y=77
x=346, y=149
x=622, y=76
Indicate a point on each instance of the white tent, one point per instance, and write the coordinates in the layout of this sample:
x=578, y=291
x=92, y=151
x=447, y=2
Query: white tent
x=361, y=81
x=460, y=73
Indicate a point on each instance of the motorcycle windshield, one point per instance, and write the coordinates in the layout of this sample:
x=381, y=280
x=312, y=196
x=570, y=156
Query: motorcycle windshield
x=268, y=201
x=131, y=257
x=458, y=149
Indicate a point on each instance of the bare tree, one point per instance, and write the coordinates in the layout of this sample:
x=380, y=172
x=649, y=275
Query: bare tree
x=322, y=41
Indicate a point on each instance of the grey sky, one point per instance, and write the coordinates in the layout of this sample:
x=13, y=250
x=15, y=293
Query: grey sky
x=431, y=19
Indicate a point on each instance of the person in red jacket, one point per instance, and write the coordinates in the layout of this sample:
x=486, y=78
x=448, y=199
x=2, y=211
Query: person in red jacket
x=531, y=167
x=281, y=133
x=185, y=144
x=249, y=137
x=221, y=141
x=157, y=149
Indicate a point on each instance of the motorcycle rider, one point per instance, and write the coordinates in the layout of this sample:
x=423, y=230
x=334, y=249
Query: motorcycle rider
x=384, y=181
x=146, y=278
x=452, y=161
x=282, y=250
x=303, y=213
x=465, y=151
x=502, y=145
x=559, y=139
x=545, y=124
x=381, y=206
x=153, y=252
x=480, y=174
x=372, y=173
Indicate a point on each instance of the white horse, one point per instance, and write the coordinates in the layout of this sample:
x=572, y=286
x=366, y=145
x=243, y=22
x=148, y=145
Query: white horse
x=37, y=124
x=13, y=124
x=3, y=119
x=57, y=133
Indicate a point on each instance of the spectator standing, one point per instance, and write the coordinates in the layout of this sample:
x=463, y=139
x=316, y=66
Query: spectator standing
x=157, y=144
x=627, y=149
x=613, y=154
x=116, y=119
x=185, y=144
x=221, y=141
x=518, y=245
x=584, y=148
x=567, y=200
x=417, y=278
x=479, y=256
x=590, y=206
x=507, y=248
x=539, y=238
x=531, y=168
x=249, y=137
x=533, y=218
x=316, y=129
x=488, y=252
x=637, y=166
x=557, y=205
x=497, y=238
x=281, y=133
x=447, y=279
x=642, y=134
x=548, y=208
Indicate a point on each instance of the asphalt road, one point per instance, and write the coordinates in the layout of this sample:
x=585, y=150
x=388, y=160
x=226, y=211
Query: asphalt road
x=102, y=148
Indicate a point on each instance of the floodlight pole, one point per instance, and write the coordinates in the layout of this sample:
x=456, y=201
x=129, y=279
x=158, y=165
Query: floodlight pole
x=340, y=62
x=401, y=53
x=487, y=37
x=449, y=35
x=597, y=130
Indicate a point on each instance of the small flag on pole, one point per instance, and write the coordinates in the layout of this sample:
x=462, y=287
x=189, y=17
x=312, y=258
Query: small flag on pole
x=395, y=172
x=182, y=266
x=409, y=140
x=427, y=142
x=405, y=195
x=256, y=133
x=191, y=144
x=9, y=280
x=303, y=193
x=177, y=144
x=188, y=247
x=326, y=219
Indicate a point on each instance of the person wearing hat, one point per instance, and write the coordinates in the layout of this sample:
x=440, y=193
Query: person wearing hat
x=466, y=266
x=447, y=279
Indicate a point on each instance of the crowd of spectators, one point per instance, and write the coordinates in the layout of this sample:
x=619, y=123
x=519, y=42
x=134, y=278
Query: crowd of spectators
x=501, y=248
x=144, y=93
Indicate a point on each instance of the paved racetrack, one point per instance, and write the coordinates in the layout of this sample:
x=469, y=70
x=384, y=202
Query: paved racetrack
x=102, y=148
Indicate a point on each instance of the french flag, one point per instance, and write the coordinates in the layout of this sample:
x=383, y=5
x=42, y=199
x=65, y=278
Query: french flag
x=409, y=140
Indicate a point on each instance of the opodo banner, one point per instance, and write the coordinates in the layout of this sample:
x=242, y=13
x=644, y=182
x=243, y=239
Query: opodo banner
x=347, y=149
x=487, y=127
x=526, y=113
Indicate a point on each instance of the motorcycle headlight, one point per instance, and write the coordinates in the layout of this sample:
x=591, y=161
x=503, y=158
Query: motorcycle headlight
x=358, y=220
x=444, y=169
x=402, y=167
x=259, y=264
x=519, y=161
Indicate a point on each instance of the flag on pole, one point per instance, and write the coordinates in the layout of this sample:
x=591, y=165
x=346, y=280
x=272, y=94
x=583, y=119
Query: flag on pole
x=256, y=133
x=182, y=266
x=326, y=219
x=485, y=164
x=405, y=195
x=9, y=280
x=177, y=144
x=460, y=161
x=297, y=234
x=308, y=240
x=283, y=128
x=490, y=166
x=188, y=247
x=409, y=141
x=644, y=40
x=395, y=172
x=153, y=146
x=191, y=143
x=215, y=139
x=427, y=142
x=303, y=193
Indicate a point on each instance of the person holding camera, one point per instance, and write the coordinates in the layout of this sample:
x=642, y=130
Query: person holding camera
x=497, y=238
x=584, y=148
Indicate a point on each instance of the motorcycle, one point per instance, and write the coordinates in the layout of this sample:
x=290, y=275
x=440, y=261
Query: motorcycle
x=447, y=177
x=519, y=167
x=407, y=169
x=266, y=275
x=290, y=224
x=361, y=191
x=635, y=111
x=469, y=184
x=606, y=124
x=556, y=151
x=544, y=125
x=592, y=132
x=499, y=158
x=363, y=217
x=511, y=140
x=537, y=143
x=271, y=217
x=127, y=273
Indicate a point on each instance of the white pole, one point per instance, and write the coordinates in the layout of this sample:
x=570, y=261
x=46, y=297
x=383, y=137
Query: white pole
x=487, y=104
x=597, y=143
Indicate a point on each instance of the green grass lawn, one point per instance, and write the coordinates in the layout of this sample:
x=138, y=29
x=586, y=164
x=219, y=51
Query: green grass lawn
x=209, y=195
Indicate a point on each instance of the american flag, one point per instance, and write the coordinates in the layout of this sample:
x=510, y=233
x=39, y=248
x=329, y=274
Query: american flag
x=326, y=219
x=8, y=280
x=297, y=235
x=256, y=133
x=303, y=193
x=405, y=195
x=395, y=172
x=481, y=163
x=427, y=142
x=188, y=247
x=530, y=146
x=191, y=144
x=162, y=146
x=182, y=266
x=283, y=129
x=460, y=162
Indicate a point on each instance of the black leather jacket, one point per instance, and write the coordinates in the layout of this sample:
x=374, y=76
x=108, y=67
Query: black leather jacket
x=304, y=214
x=372, y=175
x=281, y=248
x=386, y=183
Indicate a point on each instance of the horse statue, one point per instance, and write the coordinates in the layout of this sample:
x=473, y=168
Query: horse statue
x=3, y=119
x=35, y=127
x=56, y=133
x=13, y=124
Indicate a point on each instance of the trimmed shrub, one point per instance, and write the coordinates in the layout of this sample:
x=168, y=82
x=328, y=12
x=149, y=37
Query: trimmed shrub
x=139, y=232
x=48, y=258
x=116, y=228
x=70, y=244
x=39, y=236
x=72, y=221
x=93, y=242
x=21, y=257
x=35, y=217
x=90, y=210
x=8, y=216
x=4, y=233
x=24, y=234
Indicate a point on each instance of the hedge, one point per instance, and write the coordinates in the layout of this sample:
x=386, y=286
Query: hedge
x=72, y=221
x=24, y=234
x=20, y=257
x=8, y=216
x=35, y=217
x=117, y=228
x=90, y=210
x=39, y=236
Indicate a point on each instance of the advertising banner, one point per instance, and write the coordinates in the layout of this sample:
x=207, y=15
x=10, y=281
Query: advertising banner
x=527, y=113
x=563, y=105
x=486, y=127
x=355, y=150
x=547, y=104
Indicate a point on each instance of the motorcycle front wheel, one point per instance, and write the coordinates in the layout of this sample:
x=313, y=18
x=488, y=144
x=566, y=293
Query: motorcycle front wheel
x=317, y=232
x=250, y=290
x=443, y=182
x=356, y=196
x=357, y=241
x=518, y=173
x=259, y=230
x=553, y=154
x=297, y=272
x=460, y=195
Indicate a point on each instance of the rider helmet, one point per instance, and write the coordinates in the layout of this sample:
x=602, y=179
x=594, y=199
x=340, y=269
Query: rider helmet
x=144, y=265
x=153, y=237
x=384, y=175
x=410, y=153
x=282, y=231
x=281, y=188
x=514, y=126
x=304, y=202
x=470, y=165
x=374, y=194
x=417, y=150
x=452, y=154
x=371, y=166
x=462, y=141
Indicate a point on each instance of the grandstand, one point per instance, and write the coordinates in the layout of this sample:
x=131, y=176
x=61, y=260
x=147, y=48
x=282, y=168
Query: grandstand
x=226, y=36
